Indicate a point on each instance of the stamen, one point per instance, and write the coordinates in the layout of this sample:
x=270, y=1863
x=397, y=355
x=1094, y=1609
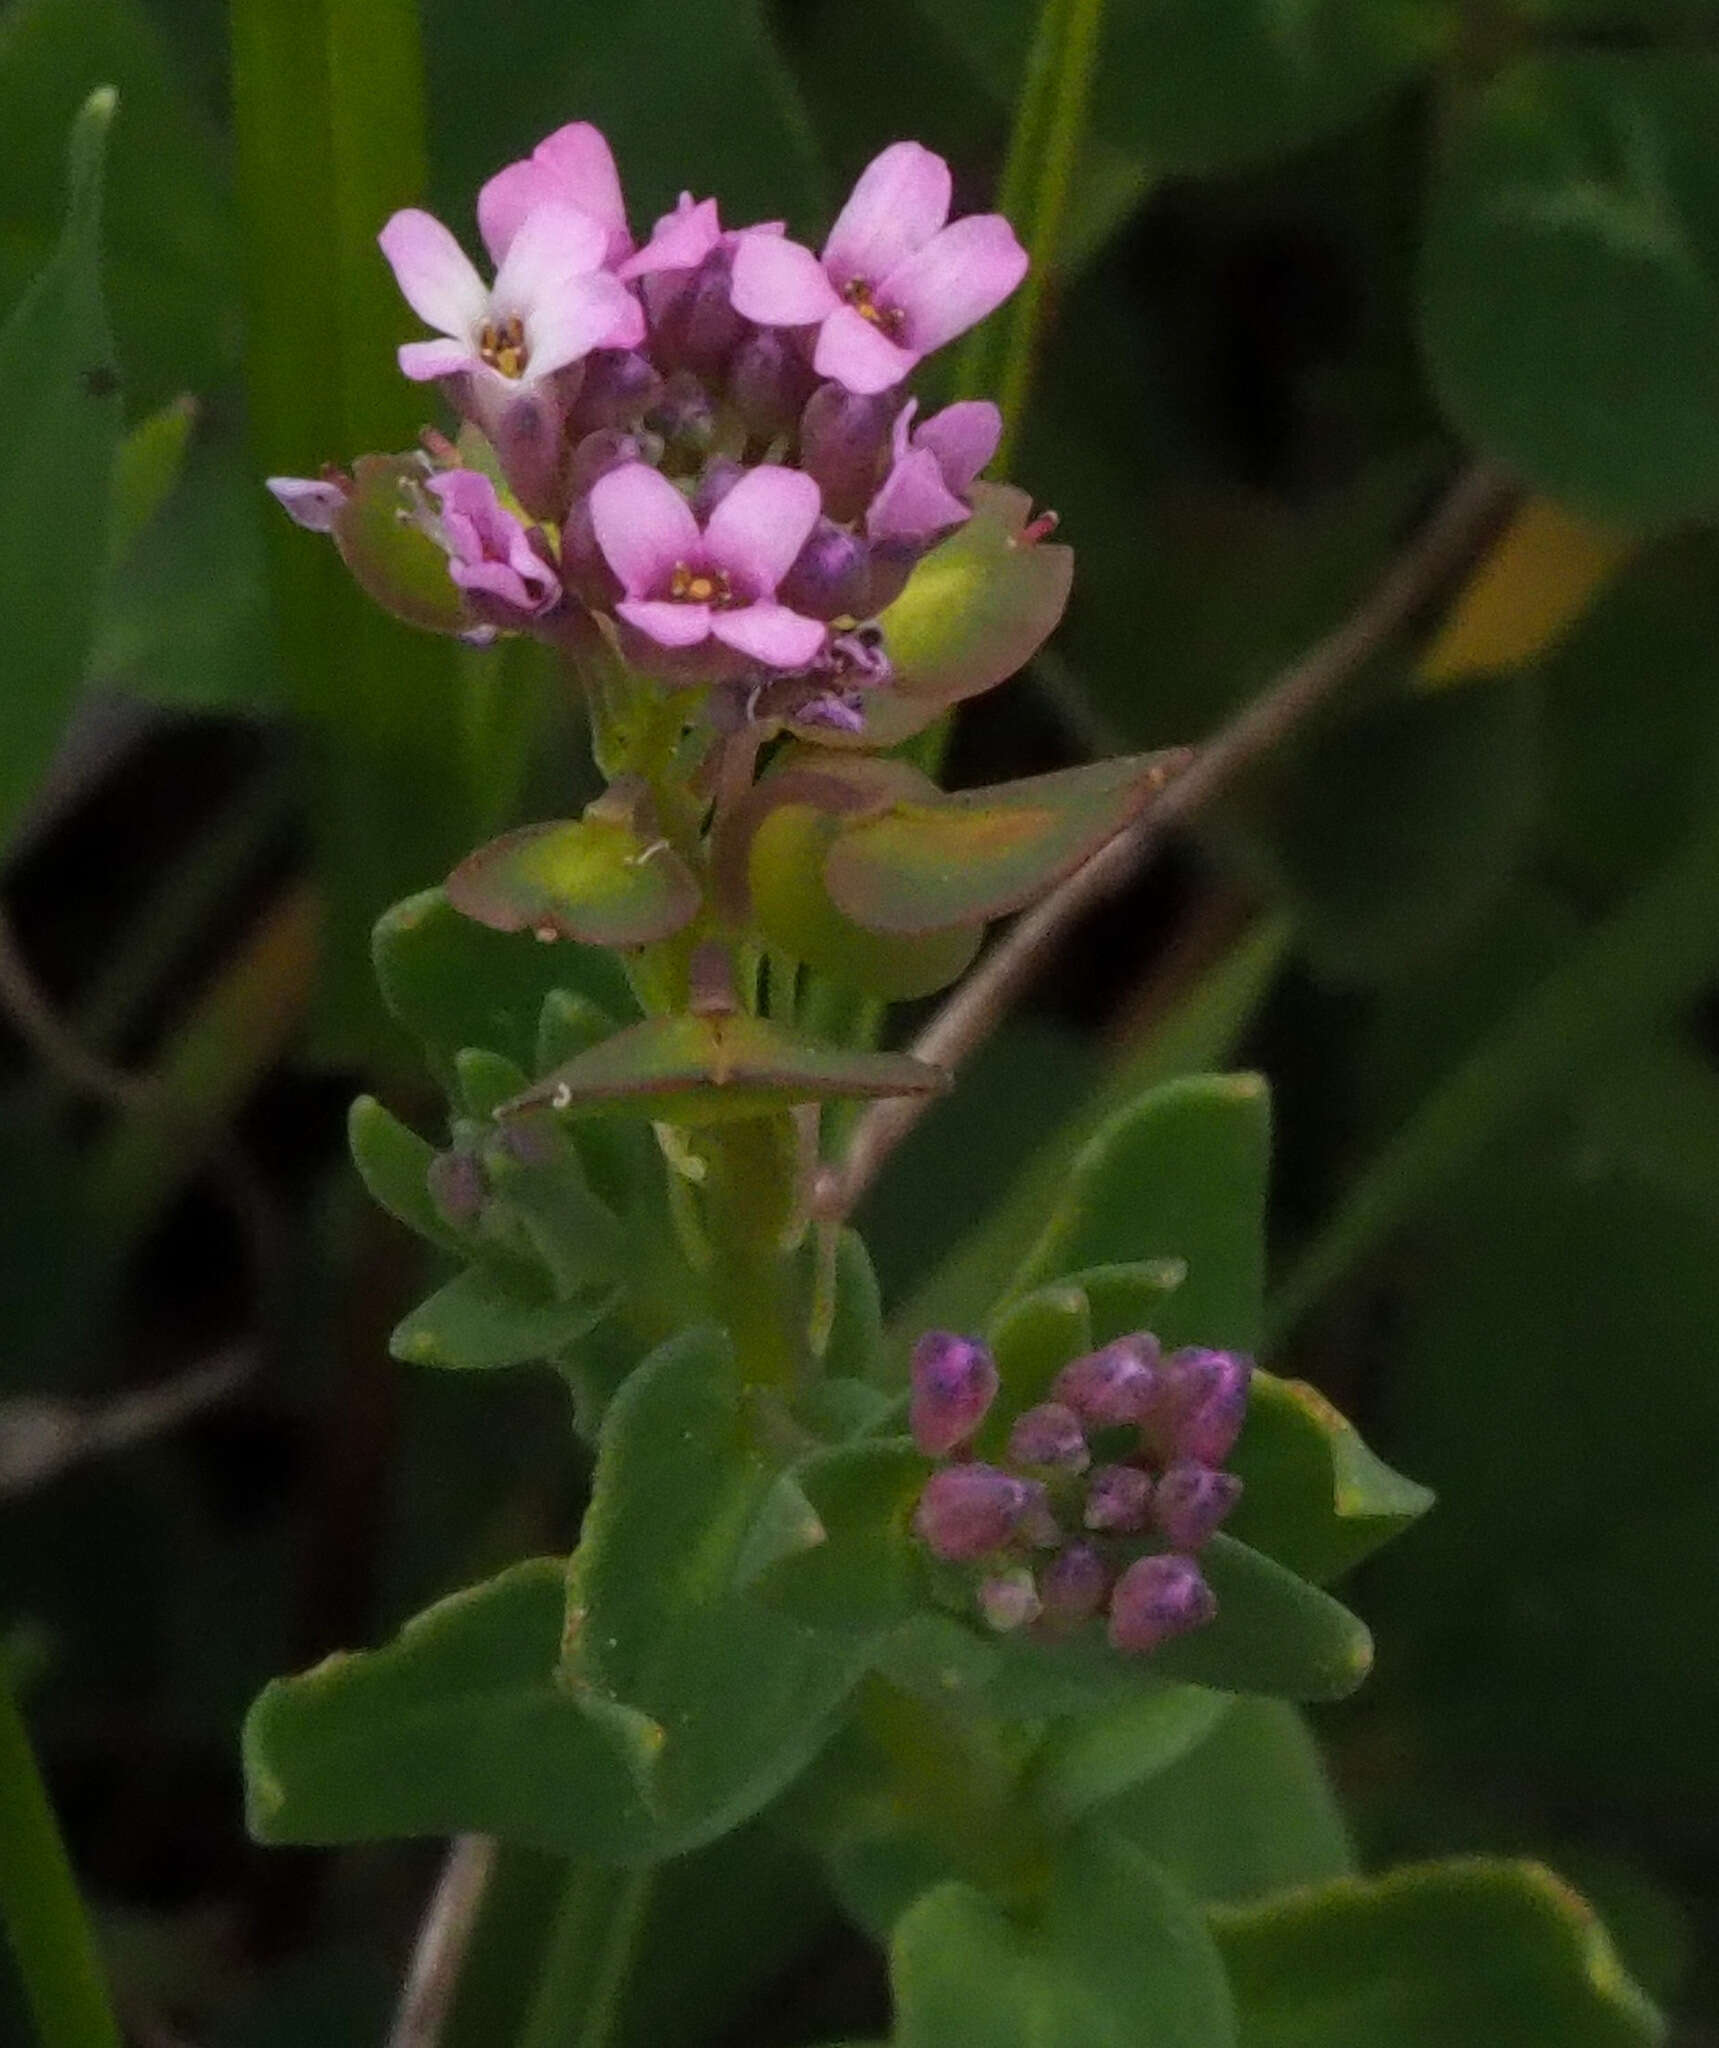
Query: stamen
x=889, y=319
x=501, y=344
x=700, y=586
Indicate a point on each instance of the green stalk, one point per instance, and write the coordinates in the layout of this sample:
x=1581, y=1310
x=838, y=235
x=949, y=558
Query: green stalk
x=64, y=1983
x=749, y=1201
x=580, y=1994
x=1659, y=947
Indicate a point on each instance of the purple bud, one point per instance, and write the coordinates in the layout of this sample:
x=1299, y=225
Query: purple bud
x=769, y=382
x=526, y=434
x=620, y=386
x=835, y=710
x=1072, y=1586
x=1190, y=1502
x=892, y=563
x=684, y=415
x=1039, y=1525
x=598, y=453
x=456, y=1186
x=1156, y=1598
x=843, y=442
x=1204, y=1405
x=954, y=1384
x=531, y=1140
x=693, y=325
x=1009, y=1600
x=1118, y=1497
x=968, y=1511
x=831, y=576
x=1113, y=1387
x=1049, y=1434
x=718, y=477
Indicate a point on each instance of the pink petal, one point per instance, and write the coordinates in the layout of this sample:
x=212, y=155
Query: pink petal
x=583, y=166
x=900, y=202
x=963, y=437
x=569, y=320
x=778, y=283
x=507, y=198
x=669, y=625
x=310, y=502
x=644, y=528
x=434, y=273
x=859, y=355
x=554, y=243
x=959, y=276
x=761, y=525
x=424, y=361
x=770, y=633
x=915, y=502
x=680, y=240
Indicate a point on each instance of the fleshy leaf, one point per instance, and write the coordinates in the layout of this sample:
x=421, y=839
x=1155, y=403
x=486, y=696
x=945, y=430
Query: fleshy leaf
x=696, y=1070
x=478, y=1322
x=1091, y=1758
x=981, y=853
x=392, y=558
x=1317, y=1499
x=977, y=608
x=599, y=879
x=1474, y=1949
x=864, y=1573
x=392, y=1162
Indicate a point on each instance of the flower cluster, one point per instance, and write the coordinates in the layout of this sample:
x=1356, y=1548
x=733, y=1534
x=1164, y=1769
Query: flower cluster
x=703, y=441
x=1127, y=1451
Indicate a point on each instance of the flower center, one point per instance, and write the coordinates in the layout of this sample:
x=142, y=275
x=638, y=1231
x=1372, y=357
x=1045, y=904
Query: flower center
x=501, y=344
x=700, y=586
x=889, y=319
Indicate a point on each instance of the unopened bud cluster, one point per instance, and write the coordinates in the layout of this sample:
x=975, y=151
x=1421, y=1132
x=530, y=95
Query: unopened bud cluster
x=1104, y=1494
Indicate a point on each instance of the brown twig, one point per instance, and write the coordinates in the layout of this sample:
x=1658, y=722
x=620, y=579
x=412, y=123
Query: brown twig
x=1443, y=546
x=443, y=1936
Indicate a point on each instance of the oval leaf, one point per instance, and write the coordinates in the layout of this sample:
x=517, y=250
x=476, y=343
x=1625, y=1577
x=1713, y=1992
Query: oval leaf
x=980, y=853
x=392, y=558
x=596, y=878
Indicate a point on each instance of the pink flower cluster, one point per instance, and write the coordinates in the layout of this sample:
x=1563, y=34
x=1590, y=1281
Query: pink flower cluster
x=1105, y=1493
x=704, y=438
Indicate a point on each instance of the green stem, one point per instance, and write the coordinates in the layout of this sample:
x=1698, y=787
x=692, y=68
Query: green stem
x=1631, y=968
x=749, y=1204
x=580, y=1992
x=63, y=1979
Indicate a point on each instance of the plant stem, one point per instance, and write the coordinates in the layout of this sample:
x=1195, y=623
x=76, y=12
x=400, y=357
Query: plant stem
x=1660, y=946
x=578, y=2001
x=443, y=1938
x=749, y=1207
x=64, y=1983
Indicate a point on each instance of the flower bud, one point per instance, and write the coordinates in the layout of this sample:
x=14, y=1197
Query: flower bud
x=843, y=442
x=456, y=1185
x=769, y=382
x=1190, y=1502
x=954, y=1384
x=831, y=575
x=968, y=1511
x=1119, y=1497
x=620, y=386
x=525, y=433
x=1156, y=1598
x=719, y=476
x=1049, y=1434
x=1204, y=1405
x=1072, y=1587
x=685, y=418
x=1009, y=1600
x=1116, y=1386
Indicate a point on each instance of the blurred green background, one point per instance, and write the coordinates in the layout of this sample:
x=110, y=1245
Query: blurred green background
x=1312, y=260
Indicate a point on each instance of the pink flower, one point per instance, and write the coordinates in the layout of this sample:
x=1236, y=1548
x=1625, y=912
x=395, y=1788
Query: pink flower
x=490, y=555
x=936, y=466
x=897, y=278
x=683, y=586
x=681, y=240
x=311, y=502
x=574, y=167
x=550, y=306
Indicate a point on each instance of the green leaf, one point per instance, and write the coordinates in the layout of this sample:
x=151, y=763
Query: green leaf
x=1090, y=1758
x=856, y=1347
x=1570, y=310
x=147, y=465
x=479, y=1321
x=742, y=1695
x=460, y=1723
x=393, y=1162
x=1475, y=1949
x=453, y=983
x=698, y=1070
x=1317, y=1499
x=922, y=867
x=1033, y=1338
x=1117, y=1957
x=975, y=610
x=1247, y=1811
x=577, y=1237
x=1181, y=1174
x=56, y=462
x=598, y=879
x=863, y=1572
x=484, y=1080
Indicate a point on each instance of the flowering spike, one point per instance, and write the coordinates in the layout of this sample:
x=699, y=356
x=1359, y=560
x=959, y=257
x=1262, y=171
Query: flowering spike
x=1072, y=1587
x=969, y=1511
x=1113, y=1387
x=1009, y=1600
x=1118, y=1498
x=1157, y=1598
x=1049, y=1434
x=1191, y=1501
x=954, y=1384
x=1204, y=1405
